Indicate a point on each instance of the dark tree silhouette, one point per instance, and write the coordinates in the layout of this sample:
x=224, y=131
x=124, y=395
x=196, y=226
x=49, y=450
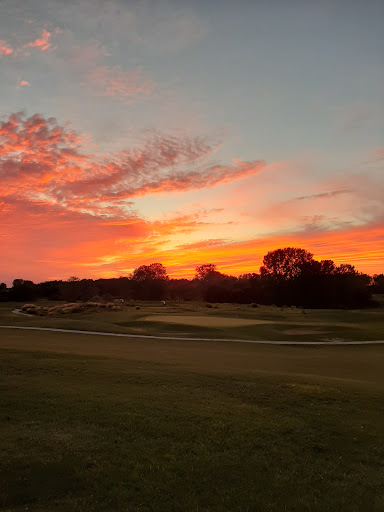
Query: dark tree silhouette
x=327, y=267
x=378, y=283
x=150, y=272
x=346, y=269
x=285, y=263
x=149, y=282
x=207, y=271
x=289, y=276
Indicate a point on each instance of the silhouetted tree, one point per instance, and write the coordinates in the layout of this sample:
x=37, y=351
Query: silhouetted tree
x=150, y=272
x=23, y=290
x=149, y=282
x=285, y=263
x=208, y=271
x=378, y=283
x=288, y=276
x=327, y=267
x=3, y=292
x=346, y=269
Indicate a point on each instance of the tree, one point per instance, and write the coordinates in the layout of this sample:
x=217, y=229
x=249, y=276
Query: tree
x=378, y=283
x=152, y=272
x=206, y=272
x=18, y=282
x=327, y=267
x=286, y=263
x=345, y=269
x=250, y=276
x=23, y=290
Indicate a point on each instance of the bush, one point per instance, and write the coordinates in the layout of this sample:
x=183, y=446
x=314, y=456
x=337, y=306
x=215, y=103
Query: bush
x=28, y=306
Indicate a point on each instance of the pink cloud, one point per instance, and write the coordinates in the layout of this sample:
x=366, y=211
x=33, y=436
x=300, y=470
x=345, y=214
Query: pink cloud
x=39, y=158
x=71, y=212
x=60, y=243
x=23, y=83
x=5, y=48
x=114, y=81
x=42, y=42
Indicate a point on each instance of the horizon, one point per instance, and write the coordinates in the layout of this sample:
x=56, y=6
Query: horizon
x=187, y=133
x=191, y=275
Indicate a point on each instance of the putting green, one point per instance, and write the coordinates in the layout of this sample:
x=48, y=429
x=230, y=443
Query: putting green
x=204, y=321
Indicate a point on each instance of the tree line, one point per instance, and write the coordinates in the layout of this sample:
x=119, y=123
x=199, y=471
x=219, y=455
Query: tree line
x=289, y=276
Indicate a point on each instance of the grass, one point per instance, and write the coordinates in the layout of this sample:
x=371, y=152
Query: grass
x=220, y=321
x=108, y=424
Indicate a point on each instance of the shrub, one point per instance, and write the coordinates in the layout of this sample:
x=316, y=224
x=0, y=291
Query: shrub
x=28, y=306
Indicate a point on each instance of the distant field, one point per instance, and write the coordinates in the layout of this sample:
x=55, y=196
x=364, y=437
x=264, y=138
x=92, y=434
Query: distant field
x=218, y=321
x=104, y=424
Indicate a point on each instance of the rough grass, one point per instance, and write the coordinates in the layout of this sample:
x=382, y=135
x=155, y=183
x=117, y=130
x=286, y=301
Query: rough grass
x=105, y=424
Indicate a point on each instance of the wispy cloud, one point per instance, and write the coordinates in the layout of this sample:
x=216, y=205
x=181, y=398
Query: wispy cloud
x=41, y=159
x=65, y=243
x=322, y=195
x=42, y=42
x=203, y=244
x=106, y=81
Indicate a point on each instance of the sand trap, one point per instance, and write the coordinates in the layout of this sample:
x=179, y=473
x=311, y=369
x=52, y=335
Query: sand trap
x=204, y=321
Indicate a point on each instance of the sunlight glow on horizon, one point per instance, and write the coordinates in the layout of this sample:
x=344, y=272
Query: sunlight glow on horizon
x=121, y=145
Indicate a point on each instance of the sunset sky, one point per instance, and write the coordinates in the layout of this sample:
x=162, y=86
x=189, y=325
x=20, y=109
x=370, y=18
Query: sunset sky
x=189, y=132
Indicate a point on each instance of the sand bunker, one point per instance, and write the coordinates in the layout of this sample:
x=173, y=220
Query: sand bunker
x=204, y=321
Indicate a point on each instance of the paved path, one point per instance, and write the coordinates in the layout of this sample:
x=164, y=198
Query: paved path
x=179, y=338
x=19, y=312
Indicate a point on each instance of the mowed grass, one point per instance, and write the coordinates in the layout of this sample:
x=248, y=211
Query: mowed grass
x=113, y=424
x=217, y=321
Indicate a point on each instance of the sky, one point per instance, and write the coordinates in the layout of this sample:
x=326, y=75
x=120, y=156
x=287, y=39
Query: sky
x=189, y=132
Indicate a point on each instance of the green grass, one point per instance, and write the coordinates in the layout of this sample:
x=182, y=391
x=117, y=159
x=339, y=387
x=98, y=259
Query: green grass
x=286, y=323
x=108, y=424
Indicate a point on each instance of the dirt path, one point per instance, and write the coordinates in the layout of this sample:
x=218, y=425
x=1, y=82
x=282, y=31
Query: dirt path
x=180, y=338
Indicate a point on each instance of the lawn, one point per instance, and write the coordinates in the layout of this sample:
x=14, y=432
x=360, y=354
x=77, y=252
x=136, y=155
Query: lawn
x=113, y=424
x=218, y=321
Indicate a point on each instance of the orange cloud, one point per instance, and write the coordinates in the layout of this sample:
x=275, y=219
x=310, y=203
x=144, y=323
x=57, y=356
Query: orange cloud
x=5, y=49
x=23, y=83
x=72, y=213
x=39, y=158
x=41, y=42
x=60, y=242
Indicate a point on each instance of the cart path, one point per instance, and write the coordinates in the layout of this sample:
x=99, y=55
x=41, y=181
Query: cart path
x=180, y=338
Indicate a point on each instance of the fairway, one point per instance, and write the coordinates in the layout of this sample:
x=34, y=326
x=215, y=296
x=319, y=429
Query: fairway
x=204, y=321
x=220, y=321
x=96, y=423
